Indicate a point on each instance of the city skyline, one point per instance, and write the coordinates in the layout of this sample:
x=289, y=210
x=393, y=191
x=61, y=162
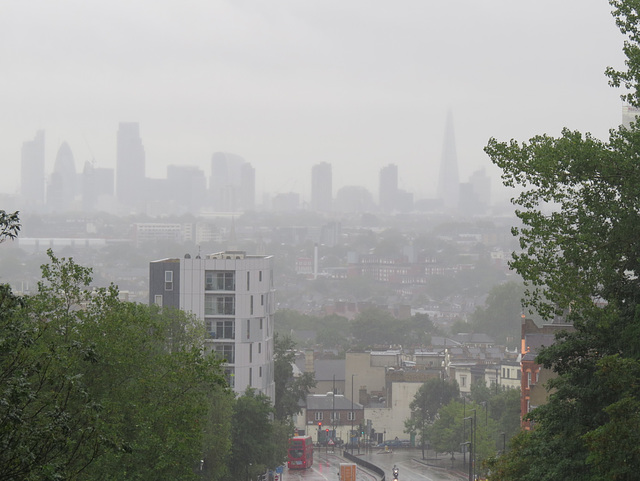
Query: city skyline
x=359, y=85
x=230, y=187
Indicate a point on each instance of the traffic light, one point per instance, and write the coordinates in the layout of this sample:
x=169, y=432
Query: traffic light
x=327, y=431
x=320, y=425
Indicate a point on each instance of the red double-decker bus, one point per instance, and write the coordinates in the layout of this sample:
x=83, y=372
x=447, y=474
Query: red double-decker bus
x=300, y=452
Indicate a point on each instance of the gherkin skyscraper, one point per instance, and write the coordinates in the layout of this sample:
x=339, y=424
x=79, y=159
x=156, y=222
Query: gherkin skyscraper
x=449, y=181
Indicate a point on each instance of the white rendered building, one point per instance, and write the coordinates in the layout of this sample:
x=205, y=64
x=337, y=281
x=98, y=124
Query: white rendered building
x=233, y=294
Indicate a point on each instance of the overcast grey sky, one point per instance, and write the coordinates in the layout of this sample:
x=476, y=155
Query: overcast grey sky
x=290, y=83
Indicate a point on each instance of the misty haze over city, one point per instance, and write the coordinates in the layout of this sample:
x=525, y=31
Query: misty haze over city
x=288, y=85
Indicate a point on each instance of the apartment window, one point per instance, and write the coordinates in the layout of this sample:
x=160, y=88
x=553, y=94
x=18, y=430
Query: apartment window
x=248, y=279
x=537, y=376
x=248, y=328
x=215, y=305
x=157, y=300
x=168, y=280
x=251, y=352
x=259, y=347
x=230, y=376
x=351, y=416
x=335, y=415
x=463, y=381
x=529, y=379
x=262, y=299
x=261, y=323
x=260, y=371
x=250, y=376
x=319, y=416
x=260, y=276
x=225, y=351
x=220, y=281
x=251, y=305
x=504, y=372
x=220, y=328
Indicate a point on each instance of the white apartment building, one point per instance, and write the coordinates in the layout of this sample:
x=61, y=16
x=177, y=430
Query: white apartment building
x=233, y=294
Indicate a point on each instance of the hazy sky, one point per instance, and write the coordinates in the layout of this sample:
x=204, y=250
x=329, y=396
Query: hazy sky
x=290, y=83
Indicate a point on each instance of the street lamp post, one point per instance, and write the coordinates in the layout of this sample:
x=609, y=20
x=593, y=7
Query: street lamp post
x=471, y=447
x=352, y=416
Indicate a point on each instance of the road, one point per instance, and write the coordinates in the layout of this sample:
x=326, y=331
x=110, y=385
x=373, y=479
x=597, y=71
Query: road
x=326, y=466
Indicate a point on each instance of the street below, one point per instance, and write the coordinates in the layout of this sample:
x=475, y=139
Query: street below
x=409, y=462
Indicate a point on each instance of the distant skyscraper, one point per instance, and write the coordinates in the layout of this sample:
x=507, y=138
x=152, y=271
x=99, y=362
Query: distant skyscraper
x=475, y=195
x=130, y=165
x=32, y=180
x=63, y=185
x=186, y=186
x=449, y=182
x=97, y=187
x=232, y=183
x=321, y=187
x=389, y=188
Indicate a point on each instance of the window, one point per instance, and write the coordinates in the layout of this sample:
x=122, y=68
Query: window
x=262, y=299
x=537, y=376
x=220, y=281
x=319, y=416
x=248, y=328
x=215, y=305
x=248, y=278
x=225, y=351
x=528, y=378
x=260, y=371
x=261, y=323
x=168, y=280
x=230, y=376
x=504, y=372
x=351, y=416
x=157, y=300
x=250, y=375
x=251, y=305
x=335, y=415
x=251, y=352
x=260, y=276
x=220, y=328
x=259, y=347
x=463, y=381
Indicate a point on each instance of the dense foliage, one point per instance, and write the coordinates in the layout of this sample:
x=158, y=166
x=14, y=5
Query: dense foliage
x=9, y=225
x=580, y=258
x=257, y=443
x=96, y=388
x=432, y=395
x=290, y=390
x=373, y=327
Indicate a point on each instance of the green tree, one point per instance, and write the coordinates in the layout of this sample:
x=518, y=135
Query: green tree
x=580, y=260
x=9, y=225
x=289, y=390
x=254, y=449
x=431, y=396
x=374, y=326
x=501, y=314
x=95, y=388
x=450, y=430
x=48, y=418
